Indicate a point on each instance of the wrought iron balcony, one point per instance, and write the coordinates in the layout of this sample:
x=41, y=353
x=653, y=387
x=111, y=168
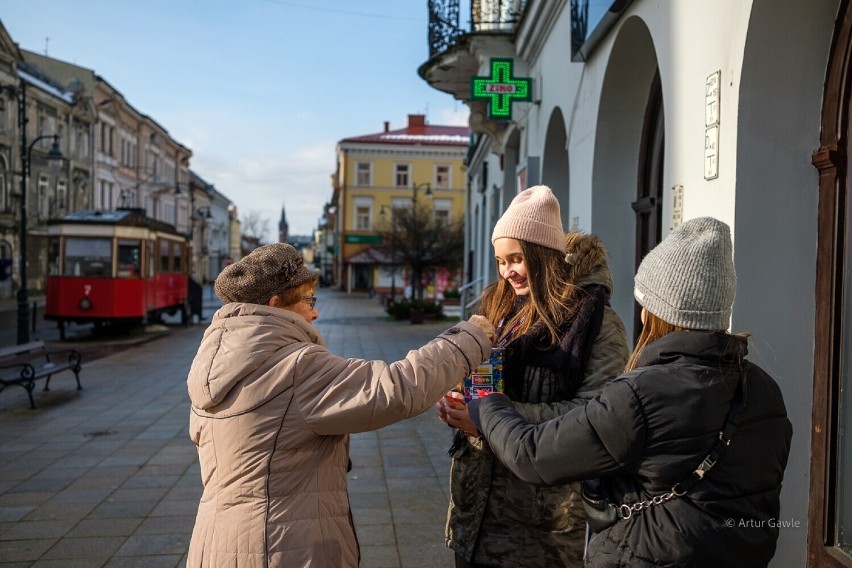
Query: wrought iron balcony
x=445, y=29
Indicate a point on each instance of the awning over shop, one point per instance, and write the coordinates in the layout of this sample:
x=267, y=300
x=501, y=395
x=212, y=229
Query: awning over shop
x=371, y=256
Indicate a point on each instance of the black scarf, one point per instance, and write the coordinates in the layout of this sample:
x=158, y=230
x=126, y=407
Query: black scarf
x=569, y=357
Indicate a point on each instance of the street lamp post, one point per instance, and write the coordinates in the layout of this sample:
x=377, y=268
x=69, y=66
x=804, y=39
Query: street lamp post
x=54, y=155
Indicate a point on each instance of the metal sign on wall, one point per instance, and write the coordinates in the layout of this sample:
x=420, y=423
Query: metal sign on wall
x=363, y=239
x=711, y=125
x=501, y=89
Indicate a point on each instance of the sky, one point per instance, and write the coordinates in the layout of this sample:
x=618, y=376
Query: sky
x=261, y=91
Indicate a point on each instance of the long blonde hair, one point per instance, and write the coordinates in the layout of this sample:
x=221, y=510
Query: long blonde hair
x=552, y=299
x=653, y=329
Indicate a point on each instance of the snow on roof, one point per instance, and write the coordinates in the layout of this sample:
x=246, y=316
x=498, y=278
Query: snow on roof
x=433, y=138
x=66, y=96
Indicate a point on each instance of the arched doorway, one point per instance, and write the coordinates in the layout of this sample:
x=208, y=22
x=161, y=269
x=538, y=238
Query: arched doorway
x=628, y=166
x=554, y=168
x=649, y=195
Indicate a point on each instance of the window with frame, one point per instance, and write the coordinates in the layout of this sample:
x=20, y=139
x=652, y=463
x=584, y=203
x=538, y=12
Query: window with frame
x=129, y=258
x=106, y=138
x=363, y=213
x=441, y=211
x=165, y=255
x=442, y=176
x=86, y=256
x=364, y=174
x=43, y=196
x=5, y=113
x=105, y=195
x=399, y=205
x=80, y=142
x=61, y=204
x=53, y=250
x=402, y=175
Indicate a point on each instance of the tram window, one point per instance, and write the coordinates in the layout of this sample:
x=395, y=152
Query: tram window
x=88, y=257
x=53, y=256
x=164, y=256
x=151, y=259
x=129, y=258
x=178, y=267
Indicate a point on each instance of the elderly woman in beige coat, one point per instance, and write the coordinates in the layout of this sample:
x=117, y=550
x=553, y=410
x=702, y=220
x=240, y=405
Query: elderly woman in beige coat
x=272, y=410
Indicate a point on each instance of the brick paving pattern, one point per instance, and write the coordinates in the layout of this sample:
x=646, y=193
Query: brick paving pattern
x=107, y=476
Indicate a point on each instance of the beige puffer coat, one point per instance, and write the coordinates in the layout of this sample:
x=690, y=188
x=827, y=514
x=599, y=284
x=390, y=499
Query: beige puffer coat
x=272, y=409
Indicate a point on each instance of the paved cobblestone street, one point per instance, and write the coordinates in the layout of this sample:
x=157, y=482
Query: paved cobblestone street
x=107, y=476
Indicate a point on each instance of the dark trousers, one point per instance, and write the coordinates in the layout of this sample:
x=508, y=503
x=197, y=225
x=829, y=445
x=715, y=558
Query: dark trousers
x=462, y=563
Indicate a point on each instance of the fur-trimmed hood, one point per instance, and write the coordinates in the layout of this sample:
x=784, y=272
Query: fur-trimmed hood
x=587, y=256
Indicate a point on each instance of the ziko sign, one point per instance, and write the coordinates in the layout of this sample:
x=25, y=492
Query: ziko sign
x=501, y=89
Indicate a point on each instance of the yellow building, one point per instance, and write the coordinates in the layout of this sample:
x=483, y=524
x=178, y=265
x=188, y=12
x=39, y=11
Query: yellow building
x=381, y=176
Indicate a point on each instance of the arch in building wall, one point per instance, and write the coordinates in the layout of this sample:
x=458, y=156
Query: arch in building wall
x=554, y=167
x=511, y=159
x=625, y=93
x=777, y=199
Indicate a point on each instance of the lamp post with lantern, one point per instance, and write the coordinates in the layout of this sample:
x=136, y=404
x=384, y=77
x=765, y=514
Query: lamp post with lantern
x=54, y=157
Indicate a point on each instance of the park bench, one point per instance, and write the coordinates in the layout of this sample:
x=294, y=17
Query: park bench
x=24, y=364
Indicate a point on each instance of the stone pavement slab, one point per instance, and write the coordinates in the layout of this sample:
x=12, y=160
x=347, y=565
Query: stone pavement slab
x=107, y=476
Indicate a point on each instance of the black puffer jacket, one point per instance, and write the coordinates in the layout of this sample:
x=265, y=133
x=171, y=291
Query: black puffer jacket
x=647, y=431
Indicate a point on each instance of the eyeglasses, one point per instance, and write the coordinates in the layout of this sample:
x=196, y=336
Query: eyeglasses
x=310, y=300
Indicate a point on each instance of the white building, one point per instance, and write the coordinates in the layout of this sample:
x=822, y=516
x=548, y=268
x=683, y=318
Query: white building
x=665, y=110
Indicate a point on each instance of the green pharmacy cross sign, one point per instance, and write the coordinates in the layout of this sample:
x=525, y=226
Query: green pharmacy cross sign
x=501, y=89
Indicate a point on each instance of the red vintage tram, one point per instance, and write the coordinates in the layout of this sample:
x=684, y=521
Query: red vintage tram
x=115, y=266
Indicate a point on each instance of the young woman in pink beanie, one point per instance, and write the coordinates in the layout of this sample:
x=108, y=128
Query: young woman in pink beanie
x=563, y=343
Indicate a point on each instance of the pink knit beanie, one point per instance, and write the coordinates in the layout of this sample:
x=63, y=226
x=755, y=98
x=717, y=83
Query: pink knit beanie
x=533, y=216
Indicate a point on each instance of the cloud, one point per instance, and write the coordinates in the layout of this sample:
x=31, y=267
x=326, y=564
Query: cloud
x=299, y=181
x=257, y=178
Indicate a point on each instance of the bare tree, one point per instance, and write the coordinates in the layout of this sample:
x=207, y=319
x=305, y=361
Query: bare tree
x=254, y=228
x=413, y=237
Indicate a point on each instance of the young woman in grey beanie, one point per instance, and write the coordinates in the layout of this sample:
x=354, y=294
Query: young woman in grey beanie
x=563, y=343
x=688, y=446
x=272, y=410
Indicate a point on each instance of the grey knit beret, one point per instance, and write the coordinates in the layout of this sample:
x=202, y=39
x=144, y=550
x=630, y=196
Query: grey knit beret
x=533, y=216
x=689, y=278
x=264, y=272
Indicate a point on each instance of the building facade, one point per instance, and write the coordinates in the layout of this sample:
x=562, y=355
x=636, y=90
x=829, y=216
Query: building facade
x=380, y=178
x=644, y=114
x=37, y=110
x=114, y=156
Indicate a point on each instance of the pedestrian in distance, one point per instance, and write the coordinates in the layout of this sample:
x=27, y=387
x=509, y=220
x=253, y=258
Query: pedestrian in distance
x=272, y=409
x=562, y=343
x=689, y=445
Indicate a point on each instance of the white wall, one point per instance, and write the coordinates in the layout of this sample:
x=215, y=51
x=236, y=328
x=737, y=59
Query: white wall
x=775, y=248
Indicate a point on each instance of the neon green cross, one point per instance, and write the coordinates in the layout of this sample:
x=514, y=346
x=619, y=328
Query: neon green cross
x=501, y=89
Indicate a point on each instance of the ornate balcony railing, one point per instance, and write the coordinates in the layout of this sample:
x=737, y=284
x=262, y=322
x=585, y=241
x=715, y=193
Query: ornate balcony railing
x=485, y=16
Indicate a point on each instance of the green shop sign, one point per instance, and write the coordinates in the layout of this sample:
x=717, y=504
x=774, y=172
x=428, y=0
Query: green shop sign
x=501, y=89
x=363, y=239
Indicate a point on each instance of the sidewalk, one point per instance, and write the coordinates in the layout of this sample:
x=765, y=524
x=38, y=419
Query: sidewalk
x=107, y=476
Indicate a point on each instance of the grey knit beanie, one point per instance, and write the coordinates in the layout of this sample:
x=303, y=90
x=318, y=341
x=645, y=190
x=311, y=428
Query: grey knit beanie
x=266, y=271
x=533, y=216
x=689, y=278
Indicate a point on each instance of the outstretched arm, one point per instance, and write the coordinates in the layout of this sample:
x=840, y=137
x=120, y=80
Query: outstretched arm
x=602, y=437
